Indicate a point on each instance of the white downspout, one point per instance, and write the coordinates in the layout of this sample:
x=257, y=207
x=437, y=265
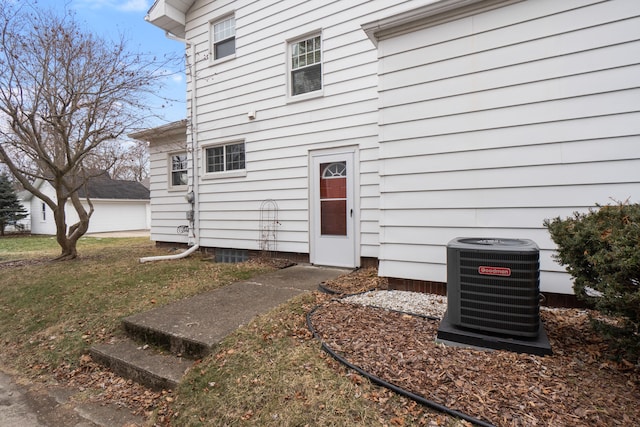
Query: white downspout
x=194, y=235
x=193, y=199
x=184, y=254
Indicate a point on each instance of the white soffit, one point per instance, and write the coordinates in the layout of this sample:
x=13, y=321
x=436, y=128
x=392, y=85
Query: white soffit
x=170, y=15
x=169, y=131
x=430, y=15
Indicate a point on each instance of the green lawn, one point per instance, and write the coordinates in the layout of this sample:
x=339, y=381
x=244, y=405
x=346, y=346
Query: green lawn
x=20, y=247
x=52, y=312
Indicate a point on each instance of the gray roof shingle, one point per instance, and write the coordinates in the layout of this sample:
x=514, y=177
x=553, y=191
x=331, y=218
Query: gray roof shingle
x=103, y=187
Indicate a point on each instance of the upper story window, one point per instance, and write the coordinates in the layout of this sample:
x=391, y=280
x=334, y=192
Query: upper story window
x=221, y=158
x=224, y=37
x=178, y=169
x=305, y=64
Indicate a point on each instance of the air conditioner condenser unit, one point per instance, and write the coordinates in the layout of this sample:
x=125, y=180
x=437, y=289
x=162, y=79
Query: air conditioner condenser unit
x=493, y=285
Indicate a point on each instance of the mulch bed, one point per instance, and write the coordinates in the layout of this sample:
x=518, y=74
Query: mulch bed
x=579, y=385
x=360, y=280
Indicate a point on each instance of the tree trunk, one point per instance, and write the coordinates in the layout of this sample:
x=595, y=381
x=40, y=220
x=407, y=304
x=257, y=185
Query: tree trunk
x=69, y=250
x=68, y=240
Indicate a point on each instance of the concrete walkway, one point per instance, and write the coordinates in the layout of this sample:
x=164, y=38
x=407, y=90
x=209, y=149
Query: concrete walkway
x=15, y=409
x=129, y=233
x=201, y=321
x=209, y=317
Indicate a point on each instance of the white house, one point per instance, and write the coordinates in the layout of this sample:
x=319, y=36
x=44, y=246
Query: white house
x=118, y=206
x=381, y=130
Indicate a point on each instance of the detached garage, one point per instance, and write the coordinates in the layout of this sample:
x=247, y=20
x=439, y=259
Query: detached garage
x=495, y=115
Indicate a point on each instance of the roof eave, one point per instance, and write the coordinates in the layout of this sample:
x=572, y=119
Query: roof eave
x=169, y=131
x=170, y=15
x=429, y=15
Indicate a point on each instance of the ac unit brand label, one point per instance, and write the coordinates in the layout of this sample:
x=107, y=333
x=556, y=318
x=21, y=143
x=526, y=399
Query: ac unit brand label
x=494, y=271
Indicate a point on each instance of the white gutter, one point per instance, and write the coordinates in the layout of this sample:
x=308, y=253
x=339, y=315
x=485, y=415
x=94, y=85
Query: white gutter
x=184, y=254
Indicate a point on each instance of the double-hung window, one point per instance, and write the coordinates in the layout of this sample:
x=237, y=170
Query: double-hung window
x=305, y=64
x=222, y=158
x=224, y=37
x=178, y=163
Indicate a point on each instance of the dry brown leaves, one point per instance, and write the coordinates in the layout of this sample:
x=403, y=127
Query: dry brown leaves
x=576, y=386
x=103, y=386
x=361, y=280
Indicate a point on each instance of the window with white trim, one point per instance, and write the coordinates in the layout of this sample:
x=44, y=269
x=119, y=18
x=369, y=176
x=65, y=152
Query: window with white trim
x=44, y=211
x=178, y=163
x=305, y=64
x=222, y=158
x=223, y=37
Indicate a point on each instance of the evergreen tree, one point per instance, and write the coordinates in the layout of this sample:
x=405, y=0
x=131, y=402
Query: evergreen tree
x=11, y=211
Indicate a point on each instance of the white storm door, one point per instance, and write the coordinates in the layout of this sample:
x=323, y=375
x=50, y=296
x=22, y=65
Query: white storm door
x=333, y=216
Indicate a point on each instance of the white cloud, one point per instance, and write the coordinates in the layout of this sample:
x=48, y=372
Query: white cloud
x=121, y=5
x=134, y=6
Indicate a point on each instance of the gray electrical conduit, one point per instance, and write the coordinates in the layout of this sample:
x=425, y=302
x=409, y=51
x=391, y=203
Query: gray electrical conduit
x=379, y=381
x=184, y=254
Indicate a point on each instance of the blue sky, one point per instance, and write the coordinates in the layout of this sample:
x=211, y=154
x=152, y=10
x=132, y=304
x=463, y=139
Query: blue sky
x=110, y=18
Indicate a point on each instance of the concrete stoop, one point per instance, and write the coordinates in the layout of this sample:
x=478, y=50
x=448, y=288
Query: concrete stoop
x=143, y=364
x=165, y=342
x=155, y=353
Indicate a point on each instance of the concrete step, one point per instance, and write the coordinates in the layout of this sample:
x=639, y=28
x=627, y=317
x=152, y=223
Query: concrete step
x=144, y=365
x=171, y=340
x=192, y=327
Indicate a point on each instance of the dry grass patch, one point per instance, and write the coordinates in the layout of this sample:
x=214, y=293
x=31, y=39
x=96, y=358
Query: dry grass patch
x=272, y=372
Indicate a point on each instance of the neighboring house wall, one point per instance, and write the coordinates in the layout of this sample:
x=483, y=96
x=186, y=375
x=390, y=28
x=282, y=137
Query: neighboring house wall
x=42, y=221
x=108, y=215
x=494, y=122
x=113, y=215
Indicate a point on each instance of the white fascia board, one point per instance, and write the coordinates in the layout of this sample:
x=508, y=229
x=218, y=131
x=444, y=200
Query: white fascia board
x=170, y=15
x=169, y=131
x=430, y=15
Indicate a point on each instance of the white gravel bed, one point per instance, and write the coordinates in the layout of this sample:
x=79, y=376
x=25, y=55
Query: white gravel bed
x=408, y=302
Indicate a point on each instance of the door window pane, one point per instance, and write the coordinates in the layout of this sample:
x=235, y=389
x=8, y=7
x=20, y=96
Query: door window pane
x=333, y=199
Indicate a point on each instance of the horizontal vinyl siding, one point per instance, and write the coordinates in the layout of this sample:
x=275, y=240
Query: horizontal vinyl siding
x=279, y=139
x=168, y=207
x=493, y=123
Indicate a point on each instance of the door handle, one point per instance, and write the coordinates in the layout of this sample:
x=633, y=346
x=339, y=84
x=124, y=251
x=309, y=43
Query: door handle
x=351, y=213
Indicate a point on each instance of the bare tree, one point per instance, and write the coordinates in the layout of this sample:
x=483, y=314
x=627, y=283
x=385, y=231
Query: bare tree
x=125, y=160
x=64, y=93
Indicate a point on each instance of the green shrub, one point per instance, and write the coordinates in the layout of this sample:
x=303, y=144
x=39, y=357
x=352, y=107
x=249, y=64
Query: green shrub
x=601, y=250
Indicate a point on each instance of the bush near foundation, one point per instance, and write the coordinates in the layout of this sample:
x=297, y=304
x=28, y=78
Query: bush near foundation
x=601, y=250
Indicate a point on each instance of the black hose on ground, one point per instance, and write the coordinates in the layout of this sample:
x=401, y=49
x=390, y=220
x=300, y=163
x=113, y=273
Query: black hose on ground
x=396, y=389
